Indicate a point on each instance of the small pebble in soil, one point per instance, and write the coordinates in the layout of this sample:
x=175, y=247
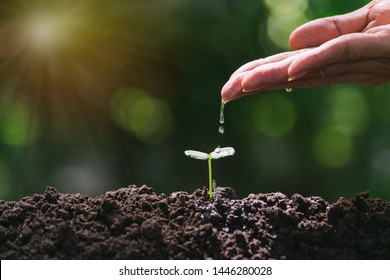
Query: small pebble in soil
x=51, y=195
x=226, y=192
x=151, y=229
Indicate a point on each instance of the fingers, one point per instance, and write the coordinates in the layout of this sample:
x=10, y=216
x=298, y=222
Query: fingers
x=372, y=72
x=357, y=52
x=264, y=75
x=256, y=79
x=352, y=77
x=331, y=50
x=274, y=76
x=317, y=32
x=259, y=73
x=232, y=89
x=379, y=14
x=351, y=47
x=377, y=67
x=262, y=61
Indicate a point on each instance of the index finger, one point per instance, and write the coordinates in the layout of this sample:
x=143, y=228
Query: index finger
x=350, y=47
x=262, y=61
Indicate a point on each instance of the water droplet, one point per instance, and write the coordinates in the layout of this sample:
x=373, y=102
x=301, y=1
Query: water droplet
x=289, y=89
x=221, y=129
x=214, y=184
x=221, y=114
x=218, y=149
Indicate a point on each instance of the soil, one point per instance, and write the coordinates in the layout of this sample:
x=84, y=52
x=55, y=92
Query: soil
x=137, y=223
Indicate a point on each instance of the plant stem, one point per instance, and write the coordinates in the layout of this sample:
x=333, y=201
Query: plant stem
x=210, y=178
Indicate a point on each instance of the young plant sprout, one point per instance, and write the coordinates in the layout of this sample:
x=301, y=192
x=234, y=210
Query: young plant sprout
x=216, y=154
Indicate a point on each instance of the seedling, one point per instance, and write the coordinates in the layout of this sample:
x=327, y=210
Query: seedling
x=216, y=154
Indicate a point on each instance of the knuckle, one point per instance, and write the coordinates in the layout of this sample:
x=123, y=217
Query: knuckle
x=337, y=25
x=347, y=51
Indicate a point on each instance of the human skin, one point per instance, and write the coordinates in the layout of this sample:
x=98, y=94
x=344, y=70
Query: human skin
x=349, y=48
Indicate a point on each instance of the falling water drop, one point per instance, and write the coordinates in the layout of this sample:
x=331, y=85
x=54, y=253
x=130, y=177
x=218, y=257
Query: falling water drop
x=221, y=114
x=221, y=129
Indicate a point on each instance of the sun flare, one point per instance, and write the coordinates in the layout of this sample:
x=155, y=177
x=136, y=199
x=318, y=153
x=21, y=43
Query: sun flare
x=67, y=58
x=45, y=31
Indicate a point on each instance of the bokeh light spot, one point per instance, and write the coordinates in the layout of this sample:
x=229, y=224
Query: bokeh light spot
x=148, y=118
x=60, y=27
x=332, y=148
x=350, y=110
x=17, y=126
x=284, y=17
x=280, y=27
x=47, y=31
x=42, y=31
x=142, y=113
x=274, y=115
x=285, y=6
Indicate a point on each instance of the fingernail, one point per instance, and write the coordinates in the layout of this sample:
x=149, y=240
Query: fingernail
x=297, y=76
x=230, y=90
x=247, y=84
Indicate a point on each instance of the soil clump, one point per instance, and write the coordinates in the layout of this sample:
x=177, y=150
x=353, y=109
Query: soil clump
x=136, y=223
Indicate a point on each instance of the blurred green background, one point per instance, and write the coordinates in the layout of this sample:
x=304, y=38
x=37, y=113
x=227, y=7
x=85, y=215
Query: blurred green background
x=96, y=95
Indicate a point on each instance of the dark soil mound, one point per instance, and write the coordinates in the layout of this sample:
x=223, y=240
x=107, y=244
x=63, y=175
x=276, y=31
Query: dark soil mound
x=136, y=223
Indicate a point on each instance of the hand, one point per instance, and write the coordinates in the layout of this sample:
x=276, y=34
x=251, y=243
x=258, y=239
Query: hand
x=354, y=47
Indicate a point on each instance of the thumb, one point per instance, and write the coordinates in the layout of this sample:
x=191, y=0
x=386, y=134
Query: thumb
x=317, y=32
